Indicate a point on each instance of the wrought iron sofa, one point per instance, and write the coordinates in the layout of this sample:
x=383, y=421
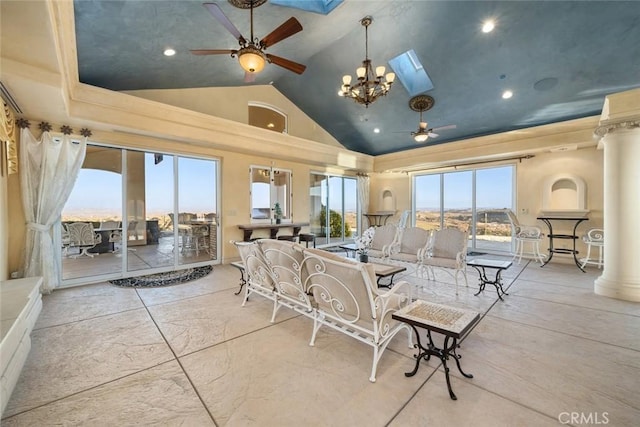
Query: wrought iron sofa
x=334, y=291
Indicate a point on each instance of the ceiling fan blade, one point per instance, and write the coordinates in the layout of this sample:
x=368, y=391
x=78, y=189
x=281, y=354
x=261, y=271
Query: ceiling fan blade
x=285, y=30
x=433, y=135
x=285, y=63
x=445, y=127
x=217, y=13
x=213, y=51
x=249, y=77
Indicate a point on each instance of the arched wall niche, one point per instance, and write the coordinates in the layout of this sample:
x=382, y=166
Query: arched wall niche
x=387, y=201
x=564, y=195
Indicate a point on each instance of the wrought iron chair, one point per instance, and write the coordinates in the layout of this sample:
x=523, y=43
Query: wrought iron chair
x=116, y=236
x=82, y=236
x=524, y=234
x=595, y=238
x=65, y=239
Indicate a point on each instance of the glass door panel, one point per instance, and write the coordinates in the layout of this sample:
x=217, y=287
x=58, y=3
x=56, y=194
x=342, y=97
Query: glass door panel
x=427, y=202
x=350, y=208
x=197, y=210
x=260, y=194
x=458, y=200
x=317, y=189
x=91, y=218
x=153, y=186
x=281, y=192
x=335, y=203
x=494, y=193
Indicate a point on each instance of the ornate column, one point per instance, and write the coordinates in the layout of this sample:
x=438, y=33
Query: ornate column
x=620, y=135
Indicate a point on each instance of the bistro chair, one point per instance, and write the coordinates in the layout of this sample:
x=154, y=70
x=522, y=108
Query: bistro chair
x=525, y=234
x=593, y=238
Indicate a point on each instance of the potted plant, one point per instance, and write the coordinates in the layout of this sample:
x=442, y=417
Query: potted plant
x=363, y=243
x=277, y=212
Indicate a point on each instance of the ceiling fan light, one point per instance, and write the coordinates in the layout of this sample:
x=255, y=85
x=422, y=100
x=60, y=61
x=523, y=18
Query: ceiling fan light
x=390, y=78
x=380, y=71
x=421, y=137
x=251, y=60
x=361, y=72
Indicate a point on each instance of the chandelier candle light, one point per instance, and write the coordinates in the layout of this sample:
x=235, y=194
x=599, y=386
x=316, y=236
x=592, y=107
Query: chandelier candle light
x=370, y=86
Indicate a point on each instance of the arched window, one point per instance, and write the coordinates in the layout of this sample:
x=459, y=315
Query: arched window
x=267, y=117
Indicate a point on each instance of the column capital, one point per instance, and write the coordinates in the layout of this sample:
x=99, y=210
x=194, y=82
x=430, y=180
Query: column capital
x=602, y=130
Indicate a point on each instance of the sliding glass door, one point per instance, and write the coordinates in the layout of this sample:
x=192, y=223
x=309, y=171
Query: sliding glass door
x=139, y=212
x=472, y=200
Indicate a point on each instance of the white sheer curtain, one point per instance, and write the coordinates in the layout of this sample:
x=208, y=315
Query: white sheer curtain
x=48, y=172
x=363, y=195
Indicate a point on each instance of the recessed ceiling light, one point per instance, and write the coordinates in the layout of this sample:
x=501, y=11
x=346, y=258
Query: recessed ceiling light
x=169, y=52
x=488, y=26
x=507, y=94
x=376, y=130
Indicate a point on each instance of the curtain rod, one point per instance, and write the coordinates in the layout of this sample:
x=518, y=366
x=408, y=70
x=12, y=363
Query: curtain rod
x=480, y=162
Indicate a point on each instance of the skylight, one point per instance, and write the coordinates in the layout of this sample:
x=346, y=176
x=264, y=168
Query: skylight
x=411, y=73
x=323, y=7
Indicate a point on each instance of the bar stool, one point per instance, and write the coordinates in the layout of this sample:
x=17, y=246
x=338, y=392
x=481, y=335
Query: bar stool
x=287, y=237
x=594, y=237
x=307, y=237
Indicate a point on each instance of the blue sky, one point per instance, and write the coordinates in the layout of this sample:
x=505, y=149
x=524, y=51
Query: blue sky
x=493, y=189
x=102, y=191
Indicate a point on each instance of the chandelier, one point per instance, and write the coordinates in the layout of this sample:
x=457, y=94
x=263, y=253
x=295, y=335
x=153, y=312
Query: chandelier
x=370, y=86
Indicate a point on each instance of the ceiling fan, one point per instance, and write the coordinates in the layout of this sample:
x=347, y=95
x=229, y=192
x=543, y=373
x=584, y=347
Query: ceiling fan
x=251, y=55
x=423, y=103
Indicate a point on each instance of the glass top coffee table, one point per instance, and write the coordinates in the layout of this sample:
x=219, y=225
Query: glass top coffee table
x=481, y=265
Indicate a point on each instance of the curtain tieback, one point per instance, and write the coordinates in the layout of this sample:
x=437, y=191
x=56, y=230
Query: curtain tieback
x=37, y=227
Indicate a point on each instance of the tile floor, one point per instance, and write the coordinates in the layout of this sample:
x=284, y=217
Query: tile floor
x=191, y=355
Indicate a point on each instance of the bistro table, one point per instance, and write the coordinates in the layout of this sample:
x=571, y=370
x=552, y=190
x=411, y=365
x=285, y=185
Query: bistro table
x=553, y=250
x=481, y=265
x=107, y=244
x=454, y=323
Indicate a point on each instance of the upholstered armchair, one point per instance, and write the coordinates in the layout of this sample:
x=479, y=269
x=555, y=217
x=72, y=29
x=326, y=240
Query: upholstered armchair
x=448, y=251
x=383, y=239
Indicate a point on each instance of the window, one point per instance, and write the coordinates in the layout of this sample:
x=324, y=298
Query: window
x=268, y=187
x=472, y=200
x=267, y=117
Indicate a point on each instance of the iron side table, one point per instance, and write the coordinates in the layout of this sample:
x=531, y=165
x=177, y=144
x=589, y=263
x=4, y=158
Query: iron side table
x=454, y=323
x=481, y=265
